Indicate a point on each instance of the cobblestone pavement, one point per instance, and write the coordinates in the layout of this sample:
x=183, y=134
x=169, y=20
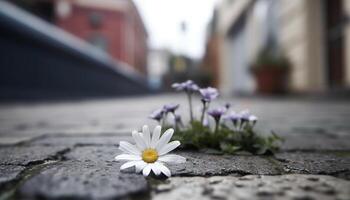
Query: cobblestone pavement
x=66, y=151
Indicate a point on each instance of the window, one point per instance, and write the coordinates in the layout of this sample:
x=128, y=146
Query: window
x=99, y=41
x=95, y=19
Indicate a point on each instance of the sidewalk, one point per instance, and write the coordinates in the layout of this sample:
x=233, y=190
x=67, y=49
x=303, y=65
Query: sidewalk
x=66, y=150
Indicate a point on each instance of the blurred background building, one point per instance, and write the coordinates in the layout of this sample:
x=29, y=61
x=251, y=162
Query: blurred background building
x=63, y=49
x=115, y=26
x=250, y=46
x=313, y=35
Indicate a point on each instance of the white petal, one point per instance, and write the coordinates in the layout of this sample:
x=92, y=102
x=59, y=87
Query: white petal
x=155, y=136
x=146, y=170
x=169, y=147
x=140, y=143
x=156, y=169
x=140, y=165
x=146, y=135
x=164, y=139
x=127, y=157
x=172, y=158
x=163, y=169
x=129, y=148
x=128, y=164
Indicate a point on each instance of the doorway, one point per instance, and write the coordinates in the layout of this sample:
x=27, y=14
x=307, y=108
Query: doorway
x=334, y=39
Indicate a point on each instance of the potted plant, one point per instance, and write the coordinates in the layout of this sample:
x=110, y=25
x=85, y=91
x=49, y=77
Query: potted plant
x=271, y=70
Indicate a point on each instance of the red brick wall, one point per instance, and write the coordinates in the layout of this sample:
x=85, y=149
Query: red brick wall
x=211, y=61
x=124, y=33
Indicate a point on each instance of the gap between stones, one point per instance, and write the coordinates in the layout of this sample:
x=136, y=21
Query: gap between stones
x=8, y=190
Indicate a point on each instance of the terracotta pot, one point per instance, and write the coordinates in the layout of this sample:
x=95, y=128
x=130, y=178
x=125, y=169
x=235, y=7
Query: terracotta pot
x=271, y=80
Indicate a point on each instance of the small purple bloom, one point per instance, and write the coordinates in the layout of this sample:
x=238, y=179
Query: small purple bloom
x=157, y=114
x=209, y=94
x=233, y=116
x=217, y=113
x=187, y=86
x=170, y=107
x=245, y=114
x=253, y=118
x=227, y=105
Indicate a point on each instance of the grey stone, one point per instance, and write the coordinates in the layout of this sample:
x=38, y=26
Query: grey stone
x=315, y=142
x=13, y=140
x=9, y=173
x=95, y=154
x=225, y=188
x=198, y=164
x=80, y=140
x=201, y=164
x=315, y=163
x=83, y=180
x=24, y=155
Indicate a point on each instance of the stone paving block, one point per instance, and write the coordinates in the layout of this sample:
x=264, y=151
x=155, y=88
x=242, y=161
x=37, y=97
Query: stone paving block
x=9, y=173
x=12, y=140
x=96, y=154
x=198, y=164
x=8, y=139
x=289, y=187
x=80, y=140
x=83, y=180
x=316, y=163
x=23, y=155
x=315, y=142
x=201, y=164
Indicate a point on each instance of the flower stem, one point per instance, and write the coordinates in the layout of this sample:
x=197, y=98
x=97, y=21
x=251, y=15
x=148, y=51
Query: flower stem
x=190, y=104
x=203, y=111
x=217, y=126
x=163, y=120
x=175, y=121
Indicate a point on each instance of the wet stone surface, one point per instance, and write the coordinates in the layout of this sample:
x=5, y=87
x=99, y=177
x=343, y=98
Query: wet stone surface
x=198, y=164
x=316, y=142
x=316, y=163
x=201, y=164
x=94, y=154
x=83, y=180
x=71, y=141
x=24, y=155
x=291, y=187
x=9, y=173
x=66, y=151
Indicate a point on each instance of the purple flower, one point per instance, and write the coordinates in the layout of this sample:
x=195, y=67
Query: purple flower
x=170, y=108
x=233, y=116
x=209, y=94
x=217, y=113
x=157, y=114
x=253, y=118
x=245, y=114
x=187, y=86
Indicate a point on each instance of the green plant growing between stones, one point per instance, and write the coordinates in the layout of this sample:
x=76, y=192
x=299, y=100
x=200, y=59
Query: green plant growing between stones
x=233, y=132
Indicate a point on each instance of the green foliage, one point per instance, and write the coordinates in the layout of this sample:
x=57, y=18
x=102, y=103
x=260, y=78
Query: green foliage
x=226, y=140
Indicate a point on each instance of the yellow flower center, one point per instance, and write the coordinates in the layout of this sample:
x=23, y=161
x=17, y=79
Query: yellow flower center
x=150, y=155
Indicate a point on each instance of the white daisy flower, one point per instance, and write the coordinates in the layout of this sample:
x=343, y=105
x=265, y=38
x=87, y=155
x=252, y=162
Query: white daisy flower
x=150, y=152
